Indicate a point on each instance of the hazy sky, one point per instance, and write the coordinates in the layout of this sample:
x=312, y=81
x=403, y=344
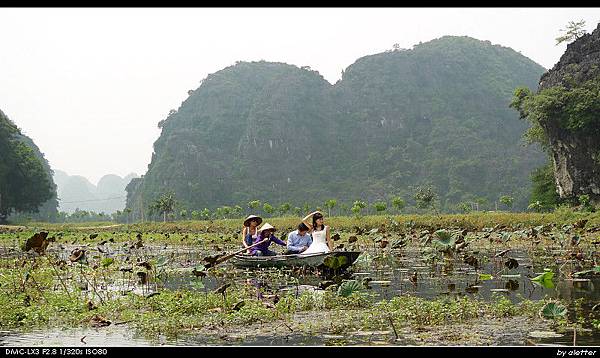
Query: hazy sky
x=90, y=85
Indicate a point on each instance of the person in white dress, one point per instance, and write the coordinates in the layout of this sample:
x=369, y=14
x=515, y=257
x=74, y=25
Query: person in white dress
x=320, y=234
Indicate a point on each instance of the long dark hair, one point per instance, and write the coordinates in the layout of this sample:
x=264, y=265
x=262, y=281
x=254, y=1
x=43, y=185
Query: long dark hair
x=315, y=217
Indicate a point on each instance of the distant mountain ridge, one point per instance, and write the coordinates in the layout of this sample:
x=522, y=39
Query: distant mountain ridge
x=437, y=115
x=77, y=192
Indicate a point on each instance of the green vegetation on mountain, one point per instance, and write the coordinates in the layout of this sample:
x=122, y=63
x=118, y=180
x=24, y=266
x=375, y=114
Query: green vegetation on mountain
x=439, y=115
x=544, y=188
x=564, y=117
x=25, y=178
x=436, y=116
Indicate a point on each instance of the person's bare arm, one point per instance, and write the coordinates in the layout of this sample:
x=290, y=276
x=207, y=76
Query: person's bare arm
x=245, y=232
x=329, y=243
x=309, y=225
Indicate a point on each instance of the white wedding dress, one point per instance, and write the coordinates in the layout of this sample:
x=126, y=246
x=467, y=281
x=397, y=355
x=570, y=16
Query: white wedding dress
x=319, y=243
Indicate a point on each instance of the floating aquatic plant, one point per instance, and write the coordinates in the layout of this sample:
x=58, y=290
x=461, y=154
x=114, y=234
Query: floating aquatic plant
x=485, y=276
x=347, y=288
x=595, y=271
x=545, y=279
x=444, y=241
x=553, y=310
x=511, y=263
x=107, y=261
x=335, y=262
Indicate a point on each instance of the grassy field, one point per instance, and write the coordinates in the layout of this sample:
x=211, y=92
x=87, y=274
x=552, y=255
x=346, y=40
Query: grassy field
x=472, y=221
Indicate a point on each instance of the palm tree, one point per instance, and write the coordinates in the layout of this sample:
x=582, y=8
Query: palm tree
x=380, y=206
x=254, y=204
x=165, y=204
x=268, y=208
x=330, y=204
x=398, y=203
x=284, y=208
x=127, y=211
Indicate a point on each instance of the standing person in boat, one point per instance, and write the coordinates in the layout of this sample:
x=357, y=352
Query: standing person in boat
x=298, y=240
x=320, y=234
x=250, y=232
x=265, y=232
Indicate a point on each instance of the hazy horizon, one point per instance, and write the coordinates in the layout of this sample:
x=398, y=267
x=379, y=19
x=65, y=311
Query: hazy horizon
x=100, y=178
x=90, y=85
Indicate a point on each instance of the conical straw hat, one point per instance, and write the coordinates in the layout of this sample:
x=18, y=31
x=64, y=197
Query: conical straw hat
x=309, y=216
x=266, y=226
x=250, y=217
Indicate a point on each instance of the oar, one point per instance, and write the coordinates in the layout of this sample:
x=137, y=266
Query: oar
x=227, y=257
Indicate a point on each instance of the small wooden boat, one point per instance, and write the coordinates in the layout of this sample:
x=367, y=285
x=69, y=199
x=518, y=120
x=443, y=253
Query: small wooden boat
x=295, y=260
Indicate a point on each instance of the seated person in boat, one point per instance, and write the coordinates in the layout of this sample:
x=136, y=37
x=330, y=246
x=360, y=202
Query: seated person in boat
x=249, y=232
x=298, y=240
x=320, y=234
x=265, y=232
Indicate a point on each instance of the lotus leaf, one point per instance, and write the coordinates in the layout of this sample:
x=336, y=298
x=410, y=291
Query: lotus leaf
x=198, y=284
x=38, y=242
x=546, y=276
x=399, y=243
x=485, y=276
x=544, y=279
x=239, y=305
x=335, y=262
x=512, y=285
x=471, y=260
x=511, y=263
x=595, y=270
x=553, y=310
x=107, y=261
x=347, y=288
x=162, y=261
x=539, y=229
x=443, y=235
x=444, y=241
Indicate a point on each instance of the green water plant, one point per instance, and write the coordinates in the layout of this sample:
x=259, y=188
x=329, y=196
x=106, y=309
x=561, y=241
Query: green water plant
x=553, y=310
x=444, y=241
x=544, y=279
x=347, y=288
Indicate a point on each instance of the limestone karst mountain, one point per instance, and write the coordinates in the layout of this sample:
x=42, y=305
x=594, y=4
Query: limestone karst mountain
x=573, y=128
x=26, y=186
x=77, y=192
x=437, y=114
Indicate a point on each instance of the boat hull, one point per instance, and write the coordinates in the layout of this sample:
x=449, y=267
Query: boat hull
x=311, y=260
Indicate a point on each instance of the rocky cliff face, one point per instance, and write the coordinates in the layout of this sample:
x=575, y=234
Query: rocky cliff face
x=575, y=154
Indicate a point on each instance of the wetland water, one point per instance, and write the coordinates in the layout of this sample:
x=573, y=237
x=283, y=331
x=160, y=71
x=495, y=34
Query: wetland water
x=384, y=273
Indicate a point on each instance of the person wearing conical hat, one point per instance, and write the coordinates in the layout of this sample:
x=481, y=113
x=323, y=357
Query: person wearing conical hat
x=321, y=240
x=265, y=232
x=249, y=232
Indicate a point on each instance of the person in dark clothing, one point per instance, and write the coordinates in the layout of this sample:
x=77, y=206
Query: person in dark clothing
x=266, y=231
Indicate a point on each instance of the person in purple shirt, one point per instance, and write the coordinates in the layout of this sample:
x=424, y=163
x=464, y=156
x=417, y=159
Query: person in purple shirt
x=265, y=232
